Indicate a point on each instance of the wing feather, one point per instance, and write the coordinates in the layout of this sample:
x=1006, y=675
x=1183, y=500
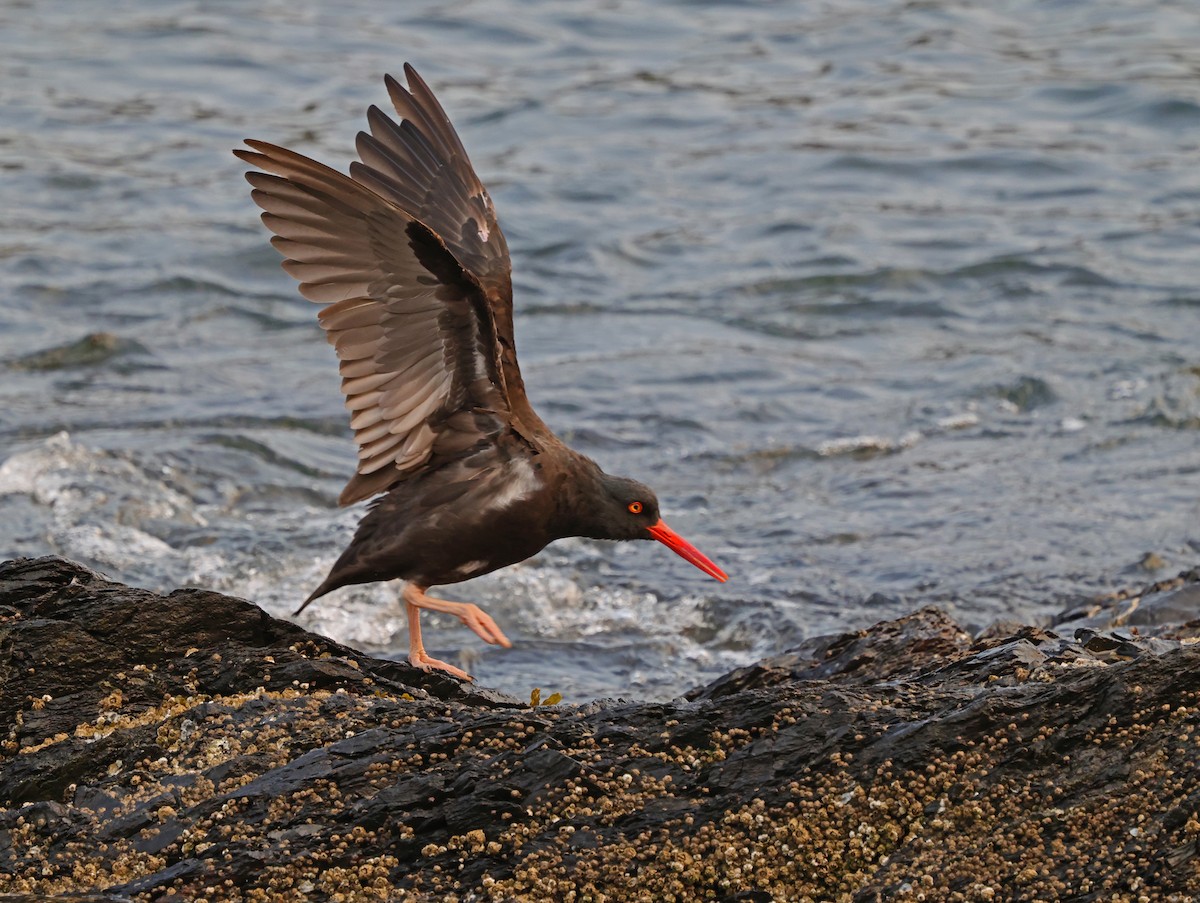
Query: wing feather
x=357, y=312
x=367, y=383
x=392, y=321
x=408, y=260
x=366, y=418
x=420, y=164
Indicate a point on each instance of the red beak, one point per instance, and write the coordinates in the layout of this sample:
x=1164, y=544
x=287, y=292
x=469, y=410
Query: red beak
x=685, y=549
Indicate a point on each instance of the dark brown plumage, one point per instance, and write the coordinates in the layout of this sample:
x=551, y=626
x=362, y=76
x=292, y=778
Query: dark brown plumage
x=413, y=271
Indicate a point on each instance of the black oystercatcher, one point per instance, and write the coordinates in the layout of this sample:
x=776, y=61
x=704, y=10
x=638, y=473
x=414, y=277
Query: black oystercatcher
x=409, y=262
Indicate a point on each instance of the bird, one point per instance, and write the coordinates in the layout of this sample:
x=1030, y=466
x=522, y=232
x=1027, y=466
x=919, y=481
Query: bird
x=407, y=259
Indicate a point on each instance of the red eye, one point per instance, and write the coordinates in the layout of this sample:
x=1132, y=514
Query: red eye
x=635, y=507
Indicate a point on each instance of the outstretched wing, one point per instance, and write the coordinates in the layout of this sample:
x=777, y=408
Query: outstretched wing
x=414, y=329
x=420, y=165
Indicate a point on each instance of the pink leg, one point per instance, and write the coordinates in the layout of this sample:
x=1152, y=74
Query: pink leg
x=471, y=615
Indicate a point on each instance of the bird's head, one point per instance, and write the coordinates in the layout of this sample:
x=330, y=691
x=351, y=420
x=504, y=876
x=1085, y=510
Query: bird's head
x=628, y=509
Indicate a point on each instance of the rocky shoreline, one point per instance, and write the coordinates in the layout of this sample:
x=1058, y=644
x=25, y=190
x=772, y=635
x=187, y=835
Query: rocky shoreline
x=190, y=746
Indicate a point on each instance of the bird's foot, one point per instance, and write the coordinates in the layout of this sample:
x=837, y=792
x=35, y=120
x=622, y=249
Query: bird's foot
x=471, y=615
x=483, y=625
x=419, y=659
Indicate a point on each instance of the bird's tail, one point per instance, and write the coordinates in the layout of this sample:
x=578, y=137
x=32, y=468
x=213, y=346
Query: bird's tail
x=346, y=571
x=316, y=594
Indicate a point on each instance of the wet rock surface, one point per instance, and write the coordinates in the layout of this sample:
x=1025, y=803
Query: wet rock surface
x=191, y=746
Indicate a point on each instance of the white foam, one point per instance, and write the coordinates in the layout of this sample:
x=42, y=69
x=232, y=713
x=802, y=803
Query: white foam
x=858, y=444
x=37, y=471
x=71, y=479
x=114, y=545
x=961, y=421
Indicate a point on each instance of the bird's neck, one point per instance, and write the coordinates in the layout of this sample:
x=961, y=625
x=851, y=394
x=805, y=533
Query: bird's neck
x=576, y=491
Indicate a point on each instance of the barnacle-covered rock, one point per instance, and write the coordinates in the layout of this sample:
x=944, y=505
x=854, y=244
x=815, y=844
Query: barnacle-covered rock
x=189, y=745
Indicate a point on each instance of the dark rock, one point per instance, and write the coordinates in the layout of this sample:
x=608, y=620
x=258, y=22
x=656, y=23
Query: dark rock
x=191, y=746
x=888, y=650
x=92, y=350
x=1169, y=608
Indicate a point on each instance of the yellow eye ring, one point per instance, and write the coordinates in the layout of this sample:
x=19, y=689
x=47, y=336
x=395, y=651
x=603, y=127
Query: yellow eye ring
x=635, y=507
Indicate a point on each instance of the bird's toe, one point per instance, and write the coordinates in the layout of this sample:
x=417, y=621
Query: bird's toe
x=427, y=663
x=483, y=625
